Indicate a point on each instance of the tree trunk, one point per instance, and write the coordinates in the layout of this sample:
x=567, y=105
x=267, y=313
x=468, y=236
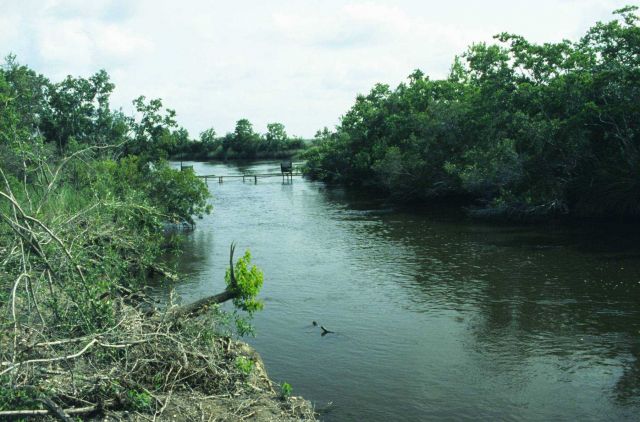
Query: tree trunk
x=199, y=305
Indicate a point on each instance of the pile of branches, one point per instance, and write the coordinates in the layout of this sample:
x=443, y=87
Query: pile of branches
x=78, y=339
x=137, y=365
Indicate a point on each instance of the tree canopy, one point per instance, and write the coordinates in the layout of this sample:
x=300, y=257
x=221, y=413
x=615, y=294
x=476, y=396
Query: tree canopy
x=523, y=129
x=243, y=143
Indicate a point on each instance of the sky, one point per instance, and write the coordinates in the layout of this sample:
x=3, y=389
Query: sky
x=298, y=62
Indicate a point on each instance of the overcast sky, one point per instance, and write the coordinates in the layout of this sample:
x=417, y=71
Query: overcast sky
x=299, y=62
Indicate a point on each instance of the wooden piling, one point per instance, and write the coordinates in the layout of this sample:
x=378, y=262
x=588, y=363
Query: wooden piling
x=286, y=177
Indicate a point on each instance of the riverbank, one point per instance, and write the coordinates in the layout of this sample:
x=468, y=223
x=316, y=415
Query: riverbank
x=257, y=398
x=244, y=392
x=81, y=235
x=79, y=336
x=153, y=366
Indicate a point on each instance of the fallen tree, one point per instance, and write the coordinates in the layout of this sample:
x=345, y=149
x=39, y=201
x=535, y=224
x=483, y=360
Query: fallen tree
x=242, y=291
x=75, y=337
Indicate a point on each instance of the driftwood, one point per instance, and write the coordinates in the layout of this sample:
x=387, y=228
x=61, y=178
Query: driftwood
x=55, y=410
x=59, y=414
x=198, y=306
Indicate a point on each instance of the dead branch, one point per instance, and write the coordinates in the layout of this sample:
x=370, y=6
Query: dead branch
x=44, y=412
x=55, y=410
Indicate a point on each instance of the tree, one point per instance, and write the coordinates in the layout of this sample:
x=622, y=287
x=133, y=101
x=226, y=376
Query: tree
x=243, y=141
x=208, y=137
x=276, y=137
x=522, y=129
x=79, y=112
x=156, y=133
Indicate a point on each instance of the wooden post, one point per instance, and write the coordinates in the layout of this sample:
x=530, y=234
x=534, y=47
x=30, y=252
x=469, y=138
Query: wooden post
x=255, y=180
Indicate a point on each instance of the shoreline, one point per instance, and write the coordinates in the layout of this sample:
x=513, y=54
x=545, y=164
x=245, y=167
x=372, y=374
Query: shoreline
x=169, y=370
x=257, y=399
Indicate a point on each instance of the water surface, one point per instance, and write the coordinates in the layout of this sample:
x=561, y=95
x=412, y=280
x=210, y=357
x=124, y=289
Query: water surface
x=435, y=316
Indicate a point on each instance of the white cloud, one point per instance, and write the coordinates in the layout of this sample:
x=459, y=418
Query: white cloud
x=69, y=37
x=353, y=25
x=391, y=17
x=9, y=29
x=104, y=10
x=64, y=43
x=298, y=62
x=118, y=42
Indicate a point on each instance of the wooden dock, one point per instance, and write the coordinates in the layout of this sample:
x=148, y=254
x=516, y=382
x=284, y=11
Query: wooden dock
x=246, y=176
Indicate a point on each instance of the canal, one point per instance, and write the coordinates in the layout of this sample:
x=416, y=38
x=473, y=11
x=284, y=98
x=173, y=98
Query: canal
x=436, y=316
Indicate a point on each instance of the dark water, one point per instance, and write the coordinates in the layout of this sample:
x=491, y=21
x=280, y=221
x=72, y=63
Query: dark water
x=436, y=316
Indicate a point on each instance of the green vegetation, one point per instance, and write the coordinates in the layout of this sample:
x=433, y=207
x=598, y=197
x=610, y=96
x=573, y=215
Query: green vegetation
x=84, y=195
x=242, y=143
x=285, y=390
x=244, y=364
x=248, y=282
x=139, y=400
x=520, y=130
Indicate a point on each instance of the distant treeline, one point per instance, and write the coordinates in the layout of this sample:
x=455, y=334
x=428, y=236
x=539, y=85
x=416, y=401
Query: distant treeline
x=242, y=143
x=520, y=129
x=76, y=112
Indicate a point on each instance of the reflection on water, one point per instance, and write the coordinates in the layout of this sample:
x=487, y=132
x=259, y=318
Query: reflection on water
x=435, y=316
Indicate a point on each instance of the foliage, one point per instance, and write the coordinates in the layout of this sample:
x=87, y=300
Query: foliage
x=84, y=194
x=43, y=121
x=285, y=390
x=176, y=195
x=242, y=143
x=156, y=133
x=179, y=194
x=243, y=326
x=244, y=364
x=139, y=400
x=11, y=398
x=522, y=129
x=76, y=113
x=248, y=282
